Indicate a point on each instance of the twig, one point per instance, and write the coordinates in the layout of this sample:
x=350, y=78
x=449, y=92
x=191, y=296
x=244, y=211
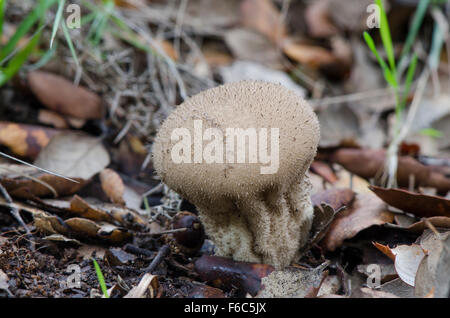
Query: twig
x=162, y=253
x=16, y=214
x=41, y=169
x=182, y=229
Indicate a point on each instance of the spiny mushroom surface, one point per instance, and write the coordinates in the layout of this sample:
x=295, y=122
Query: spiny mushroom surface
x=257, y=209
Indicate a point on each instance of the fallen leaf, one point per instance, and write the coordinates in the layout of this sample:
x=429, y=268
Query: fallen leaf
x=264, y=17
x=439, y=222
x=226, y=273
x=386, y=250
x=25, y=182
x=418, y=204
x=336, y=198
x=147, y=287
x=368, y=163
x=323, y=170
x=350, y=15
x=101, y=231
x=406, y=260
x=75, y=155
x=112, y=185
x=60, y=95
x=398, y=288
x=48, y=117
x=339, y=124
x=433, y=274
x=83, y=209
x=25, y=140
x=206, y=16
x=318, y=20
x=307, y=54
x=61, y=238
x=367, y=210
x=249, y=45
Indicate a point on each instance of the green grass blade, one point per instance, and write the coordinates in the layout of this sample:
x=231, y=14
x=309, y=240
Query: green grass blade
x=431, y=132
x=386, y=36
x=45, y=58
x=108, y=8
x=101, y=279
x=87, y=18
x=415, y=26
x=25, y=26
x=2, y=16
x=70, y=43
x=409, y=79
x=388, y=75
x=436, y=47
x=18, y=60
x=58, y=17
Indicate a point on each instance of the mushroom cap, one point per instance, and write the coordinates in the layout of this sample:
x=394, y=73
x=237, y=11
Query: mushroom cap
x=245, y=104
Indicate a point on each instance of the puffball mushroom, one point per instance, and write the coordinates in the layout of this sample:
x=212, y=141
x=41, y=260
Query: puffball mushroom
x=250, y=186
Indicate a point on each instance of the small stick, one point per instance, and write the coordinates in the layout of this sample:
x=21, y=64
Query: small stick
x=162, y=253
x=137, y=250
x=16, y=214
x=181, y=229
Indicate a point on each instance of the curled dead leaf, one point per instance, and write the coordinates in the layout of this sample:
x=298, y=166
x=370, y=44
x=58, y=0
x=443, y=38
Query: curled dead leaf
x=112, y=185
x=60, y=95
x=421, y=205
x=368, y=163
x=264, y=17
x=367, y=210
x=25, y=140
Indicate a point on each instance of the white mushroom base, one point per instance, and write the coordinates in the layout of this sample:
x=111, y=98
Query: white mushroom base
x=266, y=228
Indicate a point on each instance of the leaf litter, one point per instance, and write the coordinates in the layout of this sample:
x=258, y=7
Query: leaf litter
x=97, y=127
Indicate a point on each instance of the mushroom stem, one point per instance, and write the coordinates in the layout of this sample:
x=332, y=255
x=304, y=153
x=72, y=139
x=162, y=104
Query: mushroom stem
x=271, y=229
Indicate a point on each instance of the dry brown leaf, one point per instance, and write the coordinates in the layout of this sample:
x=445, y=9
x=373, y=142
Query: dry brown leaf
x=52, y=118
x=310, y=55
x=323, y=170
x=433, y=274
x=439, y=222
x=75, y=155
x=102, y=231
x=368, y=163
x=386, y=250
x=367, y=210
x=147, y=287
x=336, y=198
x=249, y=45
x=112, y=185
x=60, y=95
x=25, y=140
x=107, y=213
x=418, y=204
x=85, y=210
x=263, y=17
x=318, y=20
x=25, y=183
